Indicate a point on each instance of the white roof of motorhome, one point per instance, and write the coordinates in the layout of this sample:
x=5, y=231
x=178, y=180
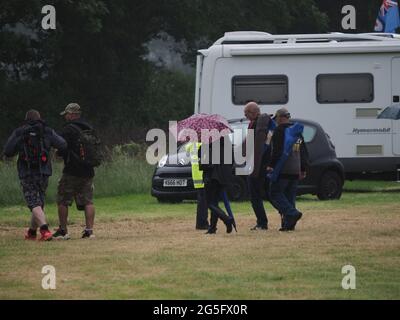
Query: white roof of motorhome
x=245, y=43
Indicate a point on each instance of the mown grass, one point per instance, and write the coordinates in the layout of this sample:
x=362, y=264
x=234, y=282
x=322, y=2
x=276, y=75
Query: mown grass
x=371, y=186
x=147, y=250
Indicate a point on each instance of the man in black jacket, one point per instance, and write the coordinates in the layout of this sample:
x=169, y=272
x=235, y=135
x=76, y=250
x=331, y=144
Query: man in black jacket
x=260, y=124
x=76, y=182
x=217, y=178
x=283, y=190
x=32, y=142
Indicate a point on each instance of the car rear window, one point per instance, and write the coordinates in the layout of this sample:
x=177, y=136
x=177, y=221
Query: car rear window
x=309, y=133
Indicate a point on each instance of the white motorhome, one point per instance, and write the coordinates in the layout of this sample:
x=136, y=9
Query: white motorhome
x=341, y=81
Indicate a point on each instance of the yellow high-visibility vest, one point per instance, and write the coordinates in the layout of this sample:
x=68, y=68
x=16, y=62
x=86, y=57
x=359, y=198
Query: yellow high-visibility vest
x=197, y=175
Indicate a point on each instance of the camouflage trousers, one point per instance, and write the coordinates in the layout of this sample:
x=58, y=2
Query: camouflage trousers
x=34, y=190
x=72, y=188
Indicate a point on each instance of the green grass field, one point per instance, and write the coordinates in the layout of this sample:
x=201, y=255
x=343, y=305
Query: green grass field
x=147, y=250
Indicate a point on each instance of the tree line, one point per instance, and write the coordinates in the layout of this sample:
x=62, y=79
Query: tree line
x=96, y=54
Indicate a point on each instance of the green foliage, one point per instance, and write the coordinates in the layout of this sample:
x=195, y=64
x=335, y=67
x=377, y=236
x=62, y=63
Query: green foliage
x=130, y=149
x=202, y=22
x=95, y=56
x=123, y=173
x=366, y=13
x=168, y=96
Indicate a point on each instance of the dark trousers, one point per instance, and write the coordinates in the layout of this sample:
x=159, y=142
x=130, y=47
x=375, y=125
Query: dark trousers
x=213, y=193
x=255, y=186
x=283, y=196
x=202, y=210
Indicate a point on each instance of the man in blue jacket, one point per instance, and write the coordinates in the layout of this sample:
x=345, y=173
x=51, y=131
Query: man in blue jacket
x=32, y=142
x=287, y=165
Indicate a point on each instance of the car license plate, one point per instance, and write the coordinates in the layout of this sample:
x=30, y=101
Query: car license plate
x=175, y=183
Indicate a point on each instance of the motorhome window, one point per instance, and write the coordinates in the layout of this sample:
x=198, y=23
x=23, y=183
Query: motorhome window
x=268, y=89
x=369, y=150
x=345, y=88
x=367, y=113
x=309, y=133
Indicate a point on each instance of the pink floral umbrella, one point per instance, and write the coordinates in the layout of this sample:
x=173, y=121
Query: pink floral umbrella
x=205, y=128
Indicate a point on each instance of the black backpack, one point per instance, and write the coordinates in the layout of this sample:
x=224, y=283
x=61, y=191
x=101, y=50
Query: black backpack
x=87, y=148
x=34, y=152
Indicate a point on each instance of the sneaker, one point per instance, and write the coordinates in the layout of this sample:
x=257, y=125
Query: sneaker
x=61, y=235
x=258, y=227
x=211, y=231
x=45, y=235
x=30, y=236
x=88, y=234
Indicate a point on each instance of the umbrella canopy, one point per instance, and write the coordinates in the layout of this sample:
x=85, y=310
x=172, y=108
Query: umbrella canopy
x=391, y=112
x=206, y=128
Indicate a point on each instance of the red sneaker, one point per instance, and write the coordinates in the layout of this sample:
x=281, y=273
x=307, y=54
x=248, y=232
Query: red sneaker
x=29, y=236
x=46, y=235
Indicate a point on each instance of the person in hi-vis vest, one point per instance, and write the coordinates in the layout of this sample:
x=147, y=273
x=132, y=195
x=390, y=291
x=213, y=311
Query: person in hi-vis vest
x=198, y=183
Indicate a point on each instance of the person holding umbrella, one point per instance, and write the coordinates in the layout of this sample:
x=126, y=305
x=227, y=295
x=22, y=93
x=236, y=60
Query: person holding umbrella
x=217, y=178
x=212, y=131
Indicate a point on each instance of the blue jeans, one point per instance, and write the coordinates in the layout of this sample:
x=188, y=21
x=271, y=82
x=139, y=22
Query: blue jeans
x=283, y=196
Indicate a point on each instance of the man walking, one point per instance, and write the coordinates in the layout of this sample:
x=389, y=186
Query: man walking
x=288, y=164
x=261, y=124
x=32, y=142
x=76, y=182
x=217, y=178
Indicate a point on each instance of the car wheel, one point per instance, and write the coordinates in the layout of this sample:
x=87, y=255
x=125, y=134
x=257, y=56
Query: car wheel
x=238, y=191
x=169, y=200
x=330, y=187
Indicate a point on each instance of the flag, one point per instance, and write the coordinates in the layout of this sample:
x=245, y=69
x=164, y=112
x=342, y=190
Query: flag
x=388, y=19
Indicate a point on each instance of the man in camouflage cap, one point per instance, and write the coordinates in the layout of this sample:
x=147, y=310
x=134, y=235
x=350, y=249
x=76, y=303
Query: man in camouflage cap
x=72, y=108
x=76, y=182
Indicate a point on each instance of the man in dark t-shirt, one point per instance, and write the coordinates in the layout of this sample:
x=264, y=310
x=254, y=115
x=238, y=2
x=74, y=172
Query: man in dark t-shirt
x=76, y=182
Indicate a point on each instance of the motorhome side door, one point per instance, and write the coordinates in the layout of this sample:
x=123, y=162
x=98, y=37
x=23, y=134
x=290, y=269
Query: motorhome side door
x=395, y=100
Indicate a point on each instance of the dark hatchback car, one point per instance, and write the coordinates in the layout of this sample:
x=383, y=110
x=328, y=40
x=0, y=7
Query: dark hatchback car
x=172, y=179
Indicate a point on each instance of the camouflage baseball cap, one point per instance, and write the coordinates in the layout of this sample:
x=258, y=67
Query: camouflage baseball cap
x=71, y=108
